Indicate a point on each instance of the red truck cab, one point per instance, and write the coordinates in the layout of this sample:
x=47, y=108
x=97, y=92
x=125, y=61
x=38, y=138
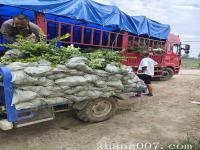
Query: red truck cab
x=172, y=56
x=169, y=60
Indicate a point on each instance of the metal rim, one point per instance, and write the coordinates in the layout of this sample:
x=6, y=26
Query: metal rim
x=101, y=108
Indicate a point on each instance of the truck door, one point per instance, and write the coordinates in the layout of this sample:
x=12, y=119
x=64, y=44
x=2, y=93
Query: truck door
x=176, y=55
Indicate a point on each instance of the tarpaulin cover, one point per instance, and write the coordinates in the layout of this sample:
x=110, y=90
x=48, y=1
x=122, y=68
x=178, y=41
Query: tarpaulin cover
x=93, y=12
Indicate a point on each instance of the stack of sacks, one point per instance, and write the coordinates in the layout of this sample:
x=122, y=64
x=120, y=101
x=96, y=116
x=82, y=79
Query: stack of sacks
x=37, y=84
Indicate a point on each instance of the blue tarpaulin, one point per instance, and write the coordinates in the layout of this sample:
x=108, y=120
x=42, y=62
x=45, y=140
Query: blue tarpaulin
x=92, y=12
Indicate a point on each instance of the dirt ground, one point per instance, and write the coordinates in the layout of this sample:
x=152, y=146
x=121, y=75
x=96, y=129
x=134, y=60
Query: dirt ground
x=165, y=118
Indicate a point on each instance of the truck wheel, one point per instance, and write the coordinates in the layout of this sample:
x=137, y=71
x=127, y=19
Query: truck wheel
x=167, y=74
x=98, y=110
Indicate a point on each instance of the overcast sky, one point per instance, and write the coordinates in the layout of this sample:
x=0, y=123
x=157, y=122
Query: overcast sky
x=182, y=15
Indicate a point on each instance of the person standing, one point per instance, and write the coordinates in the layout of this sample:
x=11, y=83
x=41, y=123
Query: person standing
x=146, y=71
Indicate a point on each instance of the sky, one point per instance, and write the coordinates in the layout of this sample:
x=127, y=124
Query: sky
x=182, y=15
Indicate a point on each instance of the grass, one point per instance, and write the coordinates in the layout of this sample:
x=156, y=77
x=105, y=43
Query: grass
x=191, y=143
x=190, y=63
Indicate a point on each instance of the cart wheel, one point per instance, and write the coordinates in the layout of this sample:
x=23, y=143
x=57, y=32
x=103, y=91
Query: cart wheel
x=98, y=110
x=167, y=74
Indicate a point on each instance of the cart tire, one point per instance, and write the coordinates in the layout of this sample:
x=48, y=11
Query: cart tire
x=167, y=74
x=98, y=110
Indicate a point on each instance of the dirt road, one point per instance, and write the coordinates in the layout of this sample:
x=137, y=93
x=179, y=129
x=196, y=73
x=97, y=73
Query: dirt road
x=167, y=117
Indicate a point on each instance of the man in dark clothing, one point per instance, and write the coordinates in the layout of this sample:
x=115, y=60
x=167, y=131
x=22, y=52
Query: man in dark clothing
x=20, y=25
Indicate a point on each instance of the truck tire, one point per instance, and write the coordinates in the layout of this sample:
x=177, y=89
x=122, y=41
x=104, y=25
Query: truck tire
x=167, y=74
x=98, y=110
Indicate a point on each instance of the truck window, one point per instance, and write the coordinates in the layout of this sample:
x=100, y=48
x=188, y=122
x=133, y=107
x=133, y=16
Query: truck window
x=176, y=49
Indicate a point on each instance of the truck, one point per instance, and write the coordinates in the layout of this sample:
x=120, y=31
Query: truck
x=89, y=30
x=167, y=53
x=88, y=34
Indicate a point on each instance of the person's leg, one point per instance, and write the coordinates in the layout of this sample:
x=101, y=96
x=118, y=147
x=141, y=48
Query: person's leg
x=141, y=77
x=150, y=89
x=149, y=85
